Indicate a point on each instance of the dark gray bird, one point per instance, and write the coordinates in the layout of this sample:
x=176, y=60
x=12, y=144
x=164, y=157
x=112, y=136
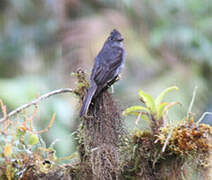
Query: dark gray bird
x=108, y=64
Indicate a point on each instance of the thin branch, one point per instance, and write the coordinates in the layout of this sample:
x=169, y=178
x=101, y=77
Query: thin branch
x=36, y=101
x=167, y=140
x=49, y=125
x=192, y=101
x=138, y=118
x=202, y=117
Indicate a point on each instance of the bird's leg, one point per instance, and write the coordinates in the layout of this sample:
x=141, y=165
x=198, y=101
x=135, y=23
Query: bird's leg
x=86, y=116
x=110, y=83
x=118, y=77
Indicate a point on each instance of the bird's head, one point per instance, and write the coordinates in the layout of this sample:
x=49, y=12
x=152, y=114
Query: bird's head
x=115, y=36
x=115, y=39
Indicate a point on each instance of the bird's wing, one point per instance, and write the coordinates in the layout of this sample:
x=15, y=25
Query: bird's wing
x=107, y=69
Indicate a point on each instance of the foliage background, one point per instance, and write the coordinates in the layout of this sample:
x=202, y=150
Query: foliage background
x=43, y=41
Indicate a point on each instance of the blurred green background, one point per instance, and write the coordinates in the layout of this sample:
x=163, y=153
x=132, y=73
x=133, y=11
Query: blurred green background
x=43, y=41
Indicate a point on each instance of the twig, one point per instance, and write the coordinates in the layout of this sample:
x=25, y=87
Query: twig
x=4, y=111
x=202, y=117
x=192, y=102
x=138, y=118
x=167, y=140
x=36, y=101
x=49, y=126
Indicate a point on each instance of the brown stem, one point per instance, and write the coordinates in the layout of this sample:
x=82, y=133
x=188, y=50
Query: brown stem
x=36, y=101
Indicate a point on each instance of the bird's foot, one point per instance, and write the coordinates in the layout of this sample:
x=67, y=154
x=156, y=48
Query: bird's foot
x=118, y=77
x=88, y=116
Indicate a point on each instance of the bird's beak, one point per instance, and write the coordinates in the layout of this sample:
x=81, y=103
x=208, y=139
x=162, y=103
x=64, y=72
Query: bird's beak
x=121, y=39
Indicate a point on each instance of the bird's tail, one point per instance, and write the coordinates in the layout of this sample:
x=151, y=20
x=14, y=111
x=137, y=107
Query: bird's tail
x=87, y=99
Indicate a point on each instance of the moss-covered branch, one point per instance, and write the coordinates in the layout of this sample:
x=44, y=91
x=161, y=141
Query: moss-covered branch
x=106, y=150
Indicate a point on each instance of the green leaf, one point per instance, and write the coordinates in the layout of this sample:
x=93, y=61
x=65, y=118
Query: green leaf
x=20, y=131
x=160, y=109
x=148, y=101
x=31, y=138
x=142, y=115
x=134, y=110
x=145, y=117
x=161, y=96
